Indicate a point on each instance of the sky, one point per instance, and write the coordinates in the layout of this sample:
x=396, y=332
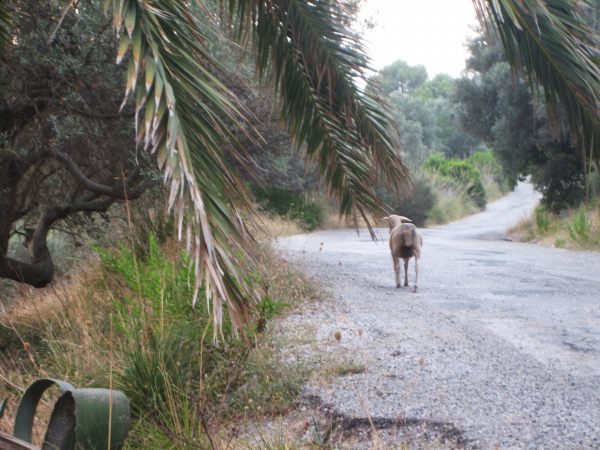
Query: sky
x=428, y=32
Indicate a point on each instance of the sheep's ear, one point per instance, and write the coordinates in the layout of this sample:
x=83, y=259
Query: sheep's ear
x=405, y=219
x=386, y=219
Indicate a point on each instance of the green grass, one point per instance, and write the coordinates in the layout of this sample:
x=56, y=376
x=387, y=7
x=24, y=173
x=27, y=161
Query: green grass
x=582, y=228
x=575, y=229
x=543, y=219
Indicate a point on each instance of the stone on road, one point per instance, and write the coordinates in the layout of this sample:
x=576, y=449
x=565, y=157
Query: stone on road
x=501, y=344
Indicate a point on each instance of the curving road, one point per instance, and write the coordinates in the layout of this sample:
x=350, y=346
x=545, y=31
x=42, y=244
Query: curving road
x=501, y=345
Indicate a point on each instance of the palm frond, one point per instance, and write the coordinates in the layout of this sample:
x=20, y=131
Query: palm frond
x=313, y=61
x=558, y=50
x=185, y=116
x=4, y=24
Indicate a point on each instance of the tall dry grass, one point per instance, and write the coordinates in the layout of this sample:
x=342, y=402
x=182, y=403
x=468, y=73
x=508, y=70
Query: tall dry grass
x=452, y=200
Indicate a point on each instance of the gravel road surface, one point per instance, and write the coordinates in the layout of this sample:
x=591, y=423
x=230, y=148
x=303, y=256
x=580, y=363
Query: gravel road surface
x=500, y=348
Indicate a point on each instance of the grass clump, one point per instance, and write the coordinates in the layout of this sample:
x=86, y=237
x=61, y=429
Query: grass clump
x=574, y=229
x=583, y=228
x=543, y=219
x=348, y=368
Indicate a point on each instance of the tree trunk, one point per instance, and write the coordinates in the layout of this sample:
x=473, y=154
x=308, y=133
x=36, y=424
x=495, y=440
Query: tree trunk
x=37, y=274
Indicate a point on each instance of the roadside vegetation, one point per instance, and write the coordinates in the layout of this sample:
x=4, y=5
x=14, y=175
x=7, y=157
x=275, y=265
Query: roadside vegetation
x=125, y=320
x=577, y=228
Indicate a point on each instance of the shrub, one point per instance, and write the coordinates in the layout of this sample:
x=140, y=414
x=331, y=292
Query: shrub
x=581, y=229
x=415, y=205
x=462, y=171
x=168, y=343
x=493, y=178
x=277, y=200
x=286, y=203
x=543, y=219
x=561, y=181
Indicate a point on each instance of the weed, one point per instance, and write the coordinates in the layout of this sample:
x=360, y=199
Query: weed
x=349, y=368
x=580, y=227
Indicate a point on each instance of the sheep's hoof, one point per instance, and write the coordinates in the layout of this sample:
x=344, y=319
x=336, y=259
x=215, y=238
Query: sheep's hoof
x=414, y=289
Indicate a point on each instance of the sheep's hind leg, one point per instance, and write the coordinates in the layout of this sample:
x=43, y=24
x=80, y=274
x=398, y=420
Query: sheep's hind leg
x=416, y=273
x=406, y=272
x=397, y=270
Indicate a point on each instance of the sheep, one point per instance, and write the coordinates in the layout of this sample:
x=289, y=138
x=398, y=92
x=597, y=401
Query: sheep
x=405, y=242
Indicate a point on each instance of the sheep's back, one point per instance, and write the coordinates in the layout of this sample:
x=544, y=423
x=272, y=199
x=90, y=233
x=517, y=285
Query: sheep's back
x=404, y=240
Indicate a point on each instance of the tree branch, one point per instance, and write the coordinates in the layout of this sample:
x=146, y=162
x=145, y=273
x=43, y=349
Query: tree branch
x=91, y=115
x=116, y=192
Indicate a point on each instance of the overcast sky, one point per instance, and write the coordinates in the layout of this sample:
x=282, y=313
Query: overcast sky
x=428, y=32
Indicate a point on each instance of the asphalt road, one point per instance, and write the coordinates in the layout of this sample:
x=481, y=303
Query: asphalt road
x=501, y=345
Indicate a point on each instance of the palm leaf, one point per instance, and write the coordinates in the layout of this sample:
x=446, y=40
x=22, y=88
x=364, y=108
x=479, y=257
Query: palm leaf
x=558, y=50
x=4, y=24
x=185, y=116
x=313, y=61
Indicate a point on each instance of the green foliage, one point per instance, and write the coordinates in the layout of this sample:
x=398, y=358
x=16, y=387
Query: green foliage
x=287, y=203
x=170, y=343
x=553, y=43
x=269, y=307
x=463, y=172
x=399, y=76
x=581, y=229
x=543, y=219
x=448, y=189
x=493, y=177
x=484, y=159
x=425, y=113
x=559, y=175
